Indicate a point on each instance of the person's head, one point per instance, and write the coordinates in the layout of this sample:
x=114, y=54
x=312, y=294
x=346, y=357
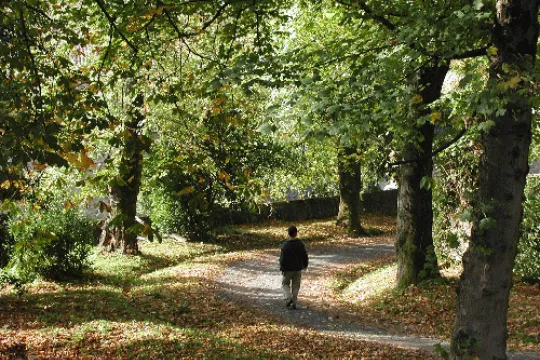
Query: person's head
x=293, y=231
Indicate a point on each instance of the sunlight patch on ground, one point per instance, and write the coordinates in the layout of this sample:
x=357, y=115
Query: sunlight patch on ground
x=371, y=284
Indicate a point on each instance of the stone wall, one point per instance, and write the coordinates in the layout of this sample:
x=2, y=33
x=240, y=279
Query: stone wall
x=380, y=202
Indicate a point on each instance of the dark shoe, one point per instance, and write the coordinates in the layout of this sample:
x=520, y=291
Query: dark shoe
x=293, y=305
x=288, y=303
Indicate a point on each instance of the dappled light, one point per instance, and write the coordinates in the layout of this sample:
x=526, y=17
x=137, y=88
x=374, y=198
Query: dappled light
x=157, y=159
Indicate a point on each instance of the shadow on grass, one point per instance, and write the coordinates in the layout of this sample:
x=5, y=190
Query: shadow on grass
x=67, y=309
x=190, y=344
x=188, y=304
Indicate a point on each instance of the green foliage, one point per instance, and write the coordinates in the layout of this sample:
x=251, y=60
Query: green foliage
x=44, y=106
x=50, y=242
x=527, y=265
x=309, y=169
x=216, y=163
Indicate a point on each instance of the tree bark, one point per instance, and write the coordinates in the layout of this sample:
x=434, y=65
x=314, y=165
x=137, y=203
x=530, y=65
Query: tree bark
x=414, y=241
x=480, y=329
x=350, y=185
x=123, y=194
x=4, y=258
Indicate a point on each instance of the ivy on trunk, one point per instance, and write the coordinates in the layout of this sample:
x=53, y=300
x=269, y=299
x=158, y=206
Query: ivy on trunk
x=480, y=330
x=124, y=192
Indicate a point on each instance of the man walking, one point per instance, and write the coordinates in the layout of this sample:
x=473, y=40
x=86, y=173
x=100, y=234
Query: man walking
x=292, y=260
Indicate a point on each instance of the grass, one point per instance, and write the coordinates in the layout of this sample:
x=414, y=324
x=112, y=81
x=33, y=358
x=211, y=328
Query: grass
x=429, y=309
x=163, y=305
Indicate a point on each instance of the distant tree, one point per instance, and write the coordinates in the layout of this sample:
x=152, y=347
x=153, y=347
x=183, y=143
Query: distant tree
x=350, y=185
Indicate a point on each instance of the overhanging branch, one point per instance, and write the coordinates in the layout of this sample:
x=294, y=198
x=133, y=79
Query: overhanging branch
x=205, y=25
x=470, y=54
x=381, y=19
x=437, y=151
x=113, y=24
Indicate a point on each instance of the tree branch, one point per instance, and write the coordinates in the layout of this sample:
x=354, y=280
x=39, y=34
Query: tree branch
x=437, y=151
x=470, y=54
x=367, y=51
x=38, y=11
x=182, y=35
x=105, y=56
x=381, y=19
x=205, y=25
x=113, y=24
x=33, y=60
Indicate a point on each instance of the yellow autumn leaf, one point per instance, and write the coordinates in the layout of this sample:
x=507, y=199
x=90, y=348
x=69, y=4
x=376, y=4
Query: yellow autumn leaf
x=146, y=230
x=71, y=158
x=223, y=176
x=86, y=161
x=185, y=191
x=417, y=99
x=434, y=116
x=492, y=50
x=513, y=82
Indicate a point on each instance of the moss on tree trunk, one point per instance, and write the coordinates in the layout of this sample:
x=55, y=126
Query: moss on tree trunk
x=414, y=240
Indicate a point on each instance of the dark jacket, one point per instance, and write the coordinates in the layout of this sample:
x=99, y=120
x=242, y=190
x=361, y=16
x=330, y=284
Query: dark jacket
x=293, y=255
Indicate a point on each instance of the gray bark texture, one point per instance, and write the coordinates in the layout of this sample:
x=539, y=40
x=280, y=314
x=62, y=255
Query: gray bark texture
x=350, y=185
x=483, y=294
x=414, y=240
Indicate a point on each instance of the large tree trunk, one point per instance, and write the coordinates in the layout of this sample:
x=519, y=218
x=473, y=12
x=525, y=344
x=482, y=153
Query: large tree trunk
x=124, y=193
x=414, y=240
x=480, y=329
x=350, y=185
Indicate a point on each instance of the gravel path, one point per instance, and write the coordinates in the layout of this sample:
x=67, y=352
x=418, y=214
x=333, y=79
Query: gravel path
x=257, y=282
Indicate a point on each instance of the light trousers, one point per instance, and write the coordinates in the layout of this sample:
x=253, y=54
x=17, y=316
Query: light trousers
x=291, y=278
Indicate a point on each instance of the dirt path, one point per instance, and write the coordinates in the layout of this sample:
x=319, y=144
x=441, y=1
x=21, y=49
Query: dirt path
x=256, y=282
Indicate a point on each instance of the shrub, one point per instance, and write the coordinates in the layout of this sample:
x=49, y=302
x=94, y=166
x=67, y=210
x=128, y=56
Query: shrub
x=527, y=265
x=189, y=214
x=53, y=243
x=163, y=209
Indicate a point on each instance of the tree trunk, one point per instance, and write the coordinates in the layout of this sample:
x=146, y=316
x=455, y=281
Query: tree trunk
x=350, y=185
x=124, y=193
x=4, y=258
x=483, y=293
x=414, y=240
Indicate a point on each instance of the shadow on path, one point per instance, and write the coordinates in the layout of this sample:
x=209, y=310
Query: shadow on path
x=257, y=283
